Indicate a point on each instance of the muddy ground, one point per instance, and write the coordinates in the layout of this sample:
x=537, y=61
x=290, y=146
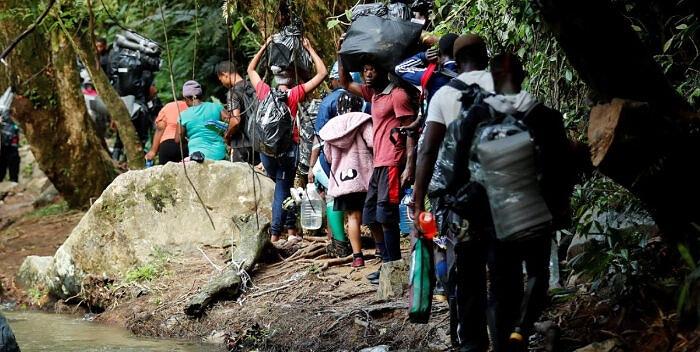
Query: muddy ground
x=25, y=231
x=301, y=305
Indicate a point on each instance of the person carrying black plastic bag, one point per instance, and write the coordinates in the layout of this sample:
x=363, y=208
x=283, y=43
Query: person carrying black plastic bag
x=284, y=99
x=391, y=109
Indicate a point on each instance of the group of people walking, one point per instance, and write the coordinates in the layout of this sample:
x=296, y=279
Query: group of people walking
x=375, y=137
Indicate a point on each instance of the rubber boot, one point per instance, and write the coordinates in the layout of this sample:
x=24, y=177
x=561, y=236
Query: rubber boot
x=336, y=222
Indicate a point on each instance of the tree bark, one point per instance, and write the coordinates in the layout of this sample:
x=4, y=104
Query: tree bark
x=51, y=111
x=647, y=139
x=117, y=109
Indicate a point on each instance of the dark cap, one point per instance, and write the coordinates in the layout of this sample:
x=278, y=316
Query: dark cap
x=470, y=41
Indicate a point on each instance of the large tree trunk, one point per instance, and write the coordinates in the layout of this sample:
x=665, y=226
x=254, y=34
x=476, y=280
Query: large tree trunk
x=117, y=110
x=647, y=140
x=51, y=111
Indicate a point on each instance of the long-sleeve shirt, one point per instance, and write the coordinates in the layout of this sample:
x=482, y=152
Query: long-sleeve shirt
x=412, y=70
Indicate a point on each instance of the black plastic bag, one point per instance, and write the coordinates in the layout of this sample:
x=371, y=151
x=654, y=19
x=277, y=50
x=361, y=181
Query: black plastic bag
x=381, y=41
x=288, y=54
x=273, y=125
x=375, y=9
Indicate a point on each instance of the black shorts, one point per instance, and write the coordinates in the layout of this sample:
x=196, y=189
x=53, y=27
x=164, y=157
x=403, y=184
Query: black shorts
x=383, y=196
x=350, y=202
x=170, y=151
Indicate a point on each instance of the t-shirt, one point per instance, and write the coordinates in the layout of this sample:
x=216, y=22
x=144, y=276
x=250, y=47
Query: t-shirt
x=199, y=137
x=445, y=104
x=388, y=108
x=170, y=113
x=233, y=98
x=294, y=96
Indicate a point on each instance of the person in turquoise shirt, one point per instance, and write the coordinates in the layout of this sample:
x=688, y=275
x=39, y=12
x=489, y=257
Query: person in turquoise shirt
x=194, y=119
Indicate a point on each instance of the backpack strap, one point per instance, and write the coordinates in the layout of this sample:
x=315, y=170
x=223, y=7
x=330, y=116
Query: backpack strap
x=427, y=75
x=457, y=84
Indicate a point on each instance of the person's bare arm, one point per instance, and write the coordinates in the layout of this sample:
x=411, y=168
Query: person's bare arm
x=252, y=73
x=160, y=128
x=433, y=135
x=233, y=118
x=345, y=79
x=408, y=173
x=321, y=70
x=315, y=152
x=183, y=133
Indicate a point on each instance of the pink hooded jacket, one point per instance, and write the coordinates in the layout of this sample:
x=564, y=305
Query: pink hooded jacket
x=348, y=148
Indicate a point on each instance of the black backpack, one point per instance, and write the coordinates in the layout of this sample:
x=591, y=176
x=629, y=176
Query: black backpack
x=243, y=138
x=273, y=125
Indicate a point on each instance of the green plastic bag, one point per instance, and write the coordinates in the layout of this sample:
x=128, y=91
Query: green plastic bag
x=421, y=281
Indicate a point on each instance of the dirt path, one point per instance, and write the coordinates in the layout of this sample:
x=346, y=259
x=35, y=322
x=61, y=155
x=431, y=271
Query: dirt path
x=24, y=232
x=287, y=307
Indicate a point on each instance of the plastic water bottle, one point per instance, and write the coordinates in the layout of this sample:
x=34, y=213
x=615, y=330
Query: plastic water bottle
x=149, y=163
x=405, y=221
x=554, y=266
x=312, y=209
x=428, y=226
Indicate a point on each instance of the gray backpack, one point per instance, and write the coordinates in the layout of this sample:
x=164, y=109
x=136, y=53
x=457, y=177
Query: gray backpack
x=504, y=162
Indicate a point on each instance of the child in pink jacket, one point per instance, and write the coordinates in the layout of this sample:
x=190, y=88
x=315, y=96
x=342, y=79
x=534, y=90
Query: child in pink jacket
x=348, y=148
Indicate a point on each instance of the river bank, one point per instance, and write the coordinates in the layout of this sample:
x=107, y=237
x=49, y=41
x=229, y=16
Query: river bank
x=289, y=305
x=304, y=302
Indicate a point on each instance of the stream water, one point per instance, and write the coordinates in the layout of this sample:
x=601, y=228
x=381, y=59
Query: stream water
x=37, y=331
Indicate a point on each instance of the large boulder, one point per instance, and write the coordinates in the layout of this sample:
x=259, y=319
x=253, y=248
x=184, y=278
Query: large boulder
x=154, y=209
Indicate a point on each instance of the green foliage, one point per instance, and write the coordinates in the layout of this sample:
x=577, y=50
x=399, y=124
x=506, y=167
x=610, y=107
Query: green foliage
x=197, y=37
x=27, y=170
x=515, y=26
x=146, y=272
x=670, y=30
x=155, y=268
x=49, y=210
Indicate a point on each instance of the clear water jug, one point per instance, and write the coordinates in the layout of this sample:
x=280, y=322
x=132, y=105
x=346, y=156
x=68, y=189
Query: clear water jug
x=311, y=208
x=405, y=216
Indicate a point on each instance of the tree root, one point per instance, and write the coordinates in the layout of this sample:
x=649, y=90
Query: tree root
x=228, y=284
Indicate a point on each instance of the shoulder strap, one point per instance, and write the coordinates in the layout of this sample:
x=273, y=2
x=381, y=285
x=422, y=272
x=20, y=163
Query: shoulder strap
x=457, y=84
x=429, y=71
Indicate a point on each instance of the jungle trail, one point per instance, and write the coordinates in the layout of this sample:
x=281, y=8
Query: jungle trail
x=409, y=175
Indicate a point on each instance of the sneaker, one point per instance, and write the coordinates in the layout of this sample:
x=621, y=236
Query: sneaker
x=358, y=262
